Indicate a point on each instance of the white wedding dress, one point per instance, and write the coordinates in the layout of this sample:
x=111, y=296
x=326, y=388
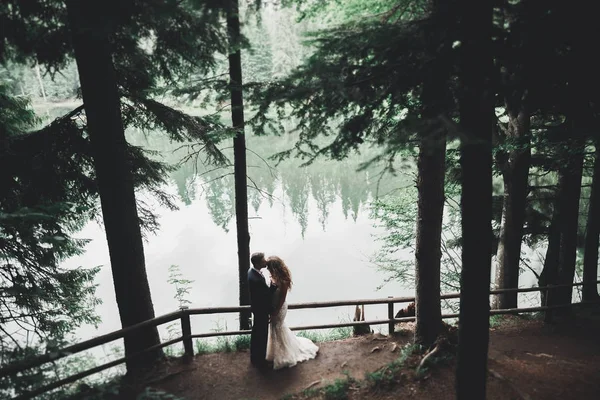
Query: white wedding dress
x=284, y=348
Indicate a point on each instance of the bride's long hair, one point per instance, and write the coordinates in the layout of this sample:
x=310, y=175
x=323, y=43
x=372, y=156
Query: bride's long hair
x=280, y=271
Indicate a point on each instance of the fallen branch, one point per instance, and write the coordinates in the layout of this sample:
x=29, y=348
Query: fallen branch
x=312, y=384
x=374, y=349
x=522, y=394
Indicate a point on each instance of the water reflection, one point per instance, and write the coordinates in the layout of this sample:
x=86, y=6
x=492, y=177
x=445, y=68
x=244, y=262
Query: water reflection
x=324, y=181
x=314, y=217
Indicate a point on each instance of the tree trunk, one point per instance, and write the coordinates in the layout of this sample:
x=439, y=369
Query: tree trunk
x=581, y=117
x=590, y=258
x=239, y=155
x=430, y=184
x=516, y=174
x=89, y=24
x=549, y=273
x=476, y=119
x=570, y=182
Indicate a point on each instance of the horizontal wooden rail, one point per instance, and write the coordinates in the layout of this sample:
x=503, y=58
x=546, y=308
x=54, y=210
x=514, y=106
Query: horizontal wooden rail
x=298, y=306
x=385, y=300
x=324, y=304
x=309, y=327
x=86, y=345
x=217, y=310
x=392, y=320
x=456, y=295
x=103, y=339
x=92, y=371
x=185, y=313
x=535, y=288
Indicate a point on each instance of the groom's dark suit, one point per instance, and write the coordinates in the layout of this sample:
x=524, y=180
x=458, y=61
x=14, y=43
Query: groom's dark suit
x=261, y=304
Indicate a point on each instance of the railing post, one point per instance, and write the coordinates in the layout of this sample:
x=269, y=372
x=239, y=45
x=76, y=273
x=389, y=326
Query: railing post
x=186, y=332
x=391, y=324
x=548, y=313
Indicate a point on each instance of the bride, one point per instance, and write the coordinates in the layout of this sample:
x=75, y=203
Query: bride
x=284, y=348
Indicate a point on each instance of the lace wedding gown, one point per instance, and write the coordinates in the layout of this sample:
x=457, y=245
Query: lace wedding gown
x=284, y=348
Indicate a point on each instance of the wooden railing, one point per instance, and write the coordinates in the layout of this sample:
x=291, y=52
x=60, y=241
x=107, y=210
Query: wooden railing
x=184, y=316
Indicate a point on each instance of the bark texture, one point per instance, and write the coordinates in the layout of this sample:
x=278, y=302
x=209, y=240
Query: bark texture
x=90, y=25
x=430, y=184
x=476, y=121
x=431, y=166
x=515, y=174
x=590, y=258
x=239, y=156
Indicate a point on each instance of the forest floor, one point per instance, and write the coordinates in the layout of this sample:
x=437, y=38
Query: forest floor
x=527, y=360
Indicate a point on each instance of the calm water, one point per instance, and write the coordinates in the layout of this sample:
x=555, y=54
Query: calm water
x=330, y=264
x=316, y=218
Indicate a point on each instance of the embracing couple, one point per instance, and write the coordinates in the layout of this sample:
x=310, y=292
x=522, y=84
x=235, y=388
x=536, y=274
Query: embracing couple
x=272, y=343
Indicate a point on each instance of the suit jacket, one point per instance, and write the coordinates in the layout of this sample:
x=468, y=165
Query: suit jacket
x=261, y=295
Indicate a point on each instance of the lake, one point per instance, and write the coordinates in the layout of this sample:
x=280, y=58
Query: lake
x=316, y=218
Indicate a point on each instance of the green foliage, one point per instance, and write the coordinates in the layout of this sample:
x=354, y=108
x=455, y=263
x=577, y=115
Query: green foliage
x=152, y=40
x=257, y=60
x=338, y=390
x=495, y=321
x=203, y=347
x=24, y=81
x=396, y=214
x=327, y=335
x=156, y=46
x=182, y=286
x=359, y=87
x=241, y=342
x=48, y=174
x=42, y=303
x=100, y=386
x=106, y=390
x=223, y=344
x=16, y=115
x=226, y=344
x=338, y=11
x=155, y=394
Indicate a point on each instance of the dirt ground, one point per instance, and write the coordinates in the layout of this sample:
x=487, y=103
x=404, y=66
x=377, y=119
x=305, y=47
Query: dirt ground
x=527, y=360
x=230, y=375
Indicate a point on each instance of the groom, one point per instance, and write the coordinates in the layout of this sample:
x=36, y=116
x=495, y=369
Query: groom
x=261, y=299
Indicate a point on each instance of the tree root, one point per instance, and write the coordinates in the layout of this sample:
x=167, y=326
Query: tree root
x=428, y=356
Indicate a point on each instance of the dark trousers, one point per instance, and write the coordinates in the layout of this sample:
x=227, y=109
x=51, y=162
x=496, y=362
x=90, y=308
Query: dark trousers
x=258, y=339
